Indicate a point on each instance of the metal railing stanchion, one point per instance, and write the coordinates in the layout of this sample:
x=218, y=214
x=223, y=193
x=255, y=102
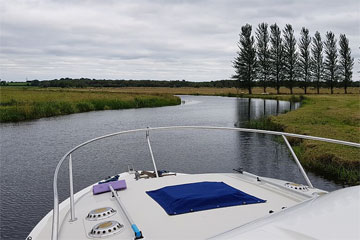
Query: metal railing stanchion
x=72, y=207
x=298, y=162
x=151, y=152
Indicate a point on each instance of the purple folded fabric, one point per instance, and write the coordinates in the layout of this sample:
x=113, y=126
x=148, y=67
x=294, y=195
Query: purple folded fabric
x=104, y=187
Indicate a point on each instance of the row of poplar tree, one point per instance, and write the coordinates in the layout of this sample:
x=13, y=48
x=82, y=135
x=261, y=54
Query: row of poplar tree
x=275, y=59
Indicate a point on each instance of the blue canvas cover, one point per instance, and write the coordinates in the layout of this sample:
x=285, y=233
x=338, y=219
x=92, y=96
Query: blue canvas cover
x=192, y=197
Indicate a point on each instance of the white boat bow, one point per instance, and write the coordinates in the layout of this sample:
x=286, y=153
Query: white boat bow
x=237, y=205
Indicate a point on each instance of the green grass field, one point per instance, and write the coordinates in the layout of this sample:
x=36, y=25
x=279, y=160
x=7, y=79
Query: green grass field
x=18, y=104
x=330, y=116
x=216, y=91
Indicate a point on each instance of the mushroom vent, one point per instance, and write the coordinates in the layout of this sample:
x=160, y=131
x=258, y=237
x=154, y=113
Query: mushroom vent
x=297, y=186
x=104, y=229
x=100, y=213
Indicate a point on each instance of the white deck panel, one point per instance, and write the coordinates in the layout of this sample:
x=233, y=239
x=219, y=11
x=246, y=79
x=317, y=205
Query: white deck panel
x=152, y=219
x=156, y=224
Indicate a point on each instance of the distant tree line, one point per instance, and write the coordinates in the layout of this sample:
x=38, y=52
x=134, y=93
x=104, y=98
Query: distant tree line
x=86, y=82
x=273, y=58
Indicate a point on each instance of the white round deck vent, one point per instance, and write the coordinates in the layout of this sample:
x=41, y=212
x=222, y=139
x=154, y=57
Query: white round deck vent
x=100, y=213
x=297, y=186
x=104, y=229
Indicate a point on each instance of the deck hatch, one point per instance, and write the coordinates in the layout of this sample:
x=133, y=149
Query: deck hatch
x=192, y=197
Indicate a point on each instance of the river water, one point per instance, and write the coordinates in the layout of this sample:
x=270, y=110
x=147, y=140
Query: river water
x=30, y=151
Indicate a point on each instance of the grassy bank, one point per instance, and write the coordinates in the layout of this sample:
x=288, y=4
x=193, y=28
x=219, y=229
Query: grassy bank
x=18, y=104
x=330, y=116
x=257, y=91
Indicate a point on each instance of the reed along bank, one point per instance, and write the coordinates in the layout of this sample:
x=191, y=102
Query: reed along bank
x=19, y=104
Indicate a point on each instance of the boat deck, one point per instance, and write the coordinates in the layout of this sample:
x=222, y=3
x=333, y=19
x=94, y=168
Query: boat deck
x=155, y=223
x=284, y=202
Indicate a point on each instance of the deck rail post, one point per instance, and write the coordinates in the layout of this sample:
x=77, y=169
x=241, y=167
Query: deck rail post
x=151, y=152
x=298, y=162
x=72, y=206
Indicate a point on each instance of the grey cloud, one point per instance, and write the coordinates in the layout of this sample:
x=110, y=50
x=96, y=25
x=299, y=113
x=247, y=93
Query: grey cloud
x=143, y=39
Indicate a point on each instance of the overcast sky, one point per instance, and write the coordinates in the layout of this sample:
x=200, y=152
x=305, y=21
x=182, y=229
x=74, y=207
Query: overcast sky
x=159, y=39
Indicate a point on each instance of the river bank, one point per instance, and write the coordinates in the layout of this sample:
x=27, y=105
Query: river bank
x=26, y=103
x=330, y=116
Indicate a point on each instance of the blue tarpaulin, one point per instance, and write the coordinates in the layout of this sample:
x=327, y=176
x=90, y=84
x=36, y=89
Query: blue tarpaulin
x=192, y=197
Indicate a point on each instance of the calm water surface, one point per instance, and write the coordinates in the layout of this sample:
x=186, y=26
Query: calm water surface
x=31, y=150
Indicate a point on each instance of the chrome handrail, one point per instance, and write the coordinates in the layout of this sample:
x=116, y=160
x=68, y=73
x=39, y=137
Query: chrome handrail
x=298, y=162
x=55, y=222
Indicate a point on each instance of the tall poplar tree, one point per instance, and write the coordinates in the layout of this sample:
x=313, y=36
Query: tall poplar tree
x=346, y=61
x=317, y=67
x=330, y=64
x=245, y=62
x=304, y=59
x=263, y=54
x=276, y=57
x=290, y=57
